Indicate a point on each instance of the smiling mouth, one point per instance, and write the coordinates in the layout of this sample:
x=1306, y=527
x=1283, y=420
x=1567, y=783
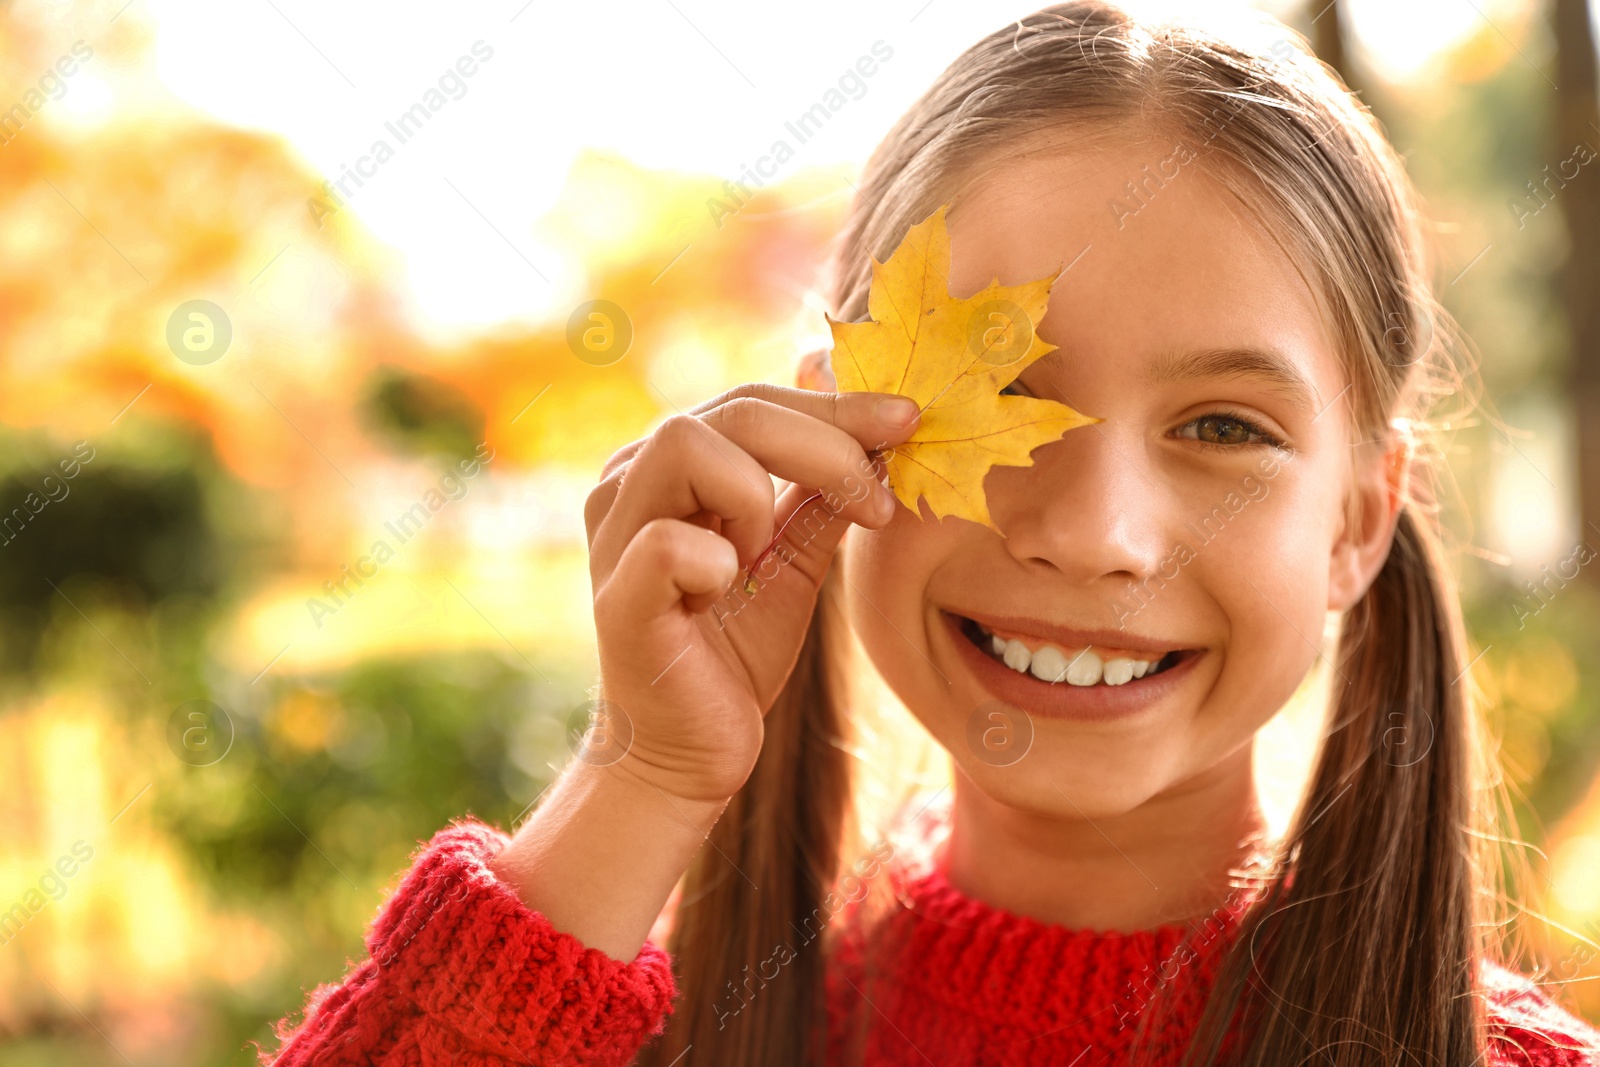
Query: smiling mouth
x=1085, y=666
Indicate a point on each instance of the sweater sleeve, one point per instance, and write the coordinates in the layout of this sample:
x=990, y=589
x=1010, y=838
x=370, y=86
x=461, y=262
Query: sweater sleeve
x=461, y=971
x=1528, y=1029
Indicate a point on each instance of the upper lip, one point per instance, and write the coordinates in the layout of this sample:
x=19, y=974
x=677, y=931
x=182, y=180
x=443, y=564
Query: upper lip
x=1070, y=637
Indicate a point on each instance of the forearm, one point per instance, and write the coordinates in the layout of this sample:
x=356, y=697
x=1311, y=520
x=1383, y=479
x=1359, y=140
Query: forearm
x=600, y=855
x=461, y=971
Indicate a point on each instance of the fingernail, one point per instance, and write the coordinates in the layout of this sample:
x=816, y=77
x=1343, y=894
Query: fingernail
x=886, y=501
x=896, y=412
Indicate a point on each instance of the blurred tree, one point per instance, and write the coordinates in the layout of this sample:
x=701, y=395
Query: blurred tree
x=235, y=887
x=1328, y=39
x=1576, y=128
x=140, y=536
x=420, y=413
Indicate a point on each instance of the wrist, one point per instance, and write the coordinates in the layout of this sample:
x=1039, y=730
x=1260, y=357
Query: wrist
x=633, y=783
x=602, y=852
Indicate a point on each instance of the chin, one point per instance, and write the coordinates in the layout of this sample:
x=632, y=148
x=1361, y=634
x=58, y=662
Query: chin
x=1061, y=775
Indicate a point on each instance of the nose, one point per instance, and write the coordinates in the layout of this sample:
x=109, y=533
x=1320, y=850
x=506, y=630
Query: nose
x=1087, y=509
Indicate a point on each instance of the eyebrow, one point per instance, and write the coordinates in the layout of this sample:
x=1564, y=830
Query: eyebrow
x=1266, y=364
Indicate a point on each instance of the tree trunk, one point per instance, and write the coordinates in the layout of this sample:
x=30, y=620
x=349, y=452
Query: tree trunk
x=1328, y=39
x=1577, y=146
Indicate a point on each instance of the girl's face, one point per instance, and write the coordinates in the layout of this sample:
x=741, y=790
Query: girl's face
x=1196, y=537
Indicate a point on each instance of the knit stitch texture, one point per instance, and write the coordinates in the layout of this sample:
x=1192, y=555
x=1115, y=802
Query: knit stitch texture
x=460, y=971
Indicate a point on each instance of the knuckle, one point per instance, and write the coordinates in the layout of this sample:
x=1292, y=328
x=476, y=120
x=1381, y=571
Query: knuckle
x=766, y=391
x=738, y=392
x=663, y=550
x=604, y=600
x=854, y=463
x=619, y=458
x=678, y=431
x=766, y=495
x=745, y=415
x=598, y=503
x=836, y=408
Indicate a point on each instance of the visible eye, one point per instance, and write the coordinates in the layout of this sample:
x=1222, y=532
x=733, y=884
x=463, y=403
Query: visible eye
x=1017, y=384
x=1226, y=431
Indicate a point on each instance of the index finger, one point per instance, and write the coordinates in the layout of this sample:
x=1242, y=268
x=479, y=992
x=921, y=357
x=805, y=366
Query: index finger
x=876, y=420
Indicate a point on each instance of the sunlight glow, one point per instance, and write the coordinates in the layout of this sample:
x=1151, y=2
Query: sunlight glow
x=460, y=196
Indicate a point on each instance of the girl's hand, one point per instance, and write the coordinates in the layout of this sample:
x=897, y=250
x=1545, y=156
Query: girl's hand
x=687, y=656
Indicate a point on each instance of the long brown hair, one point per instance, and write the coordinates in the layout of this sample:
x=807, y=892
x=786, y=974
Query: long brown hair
x=1364, y=945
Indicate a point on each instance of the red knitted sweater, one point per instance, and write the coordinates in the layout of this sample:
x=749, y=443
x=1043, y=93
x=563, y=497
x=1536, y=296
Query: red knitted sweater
x=460, y=971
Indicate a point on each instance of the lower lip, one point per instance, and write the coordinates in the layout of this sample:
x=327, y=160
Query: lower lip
x=1061, y=700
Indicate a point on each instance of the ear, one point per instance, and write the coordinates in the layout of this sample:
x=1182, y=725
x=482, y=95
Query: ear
x=815, y=371
x=1381, y=486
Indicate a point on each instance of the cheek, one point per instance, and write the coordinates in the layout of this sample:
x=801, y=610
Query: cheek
x=1256, y=586
x=1268, y=576
x=887, y=573
x=885, y=578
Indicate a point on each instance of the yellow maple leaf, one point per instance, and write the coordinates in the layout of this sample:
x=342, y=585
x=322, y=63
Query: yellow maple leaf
x=952, y=356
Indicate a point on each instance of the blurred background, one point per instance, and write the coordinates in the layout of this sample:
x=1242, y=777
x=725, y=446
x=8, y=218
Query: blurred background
x=297, y=419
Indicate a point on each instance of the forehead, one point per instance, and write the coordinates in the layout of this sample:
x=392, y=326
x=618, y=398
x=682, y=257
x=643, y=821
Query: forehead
x=1156, y=255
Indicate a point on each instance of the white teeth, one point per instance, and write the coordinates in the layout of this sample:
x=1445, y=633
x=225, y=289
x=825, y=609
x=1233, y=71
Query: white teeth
x=1049, y=664
x=1118, y=671
x=1017, y=656
x=1084, y=669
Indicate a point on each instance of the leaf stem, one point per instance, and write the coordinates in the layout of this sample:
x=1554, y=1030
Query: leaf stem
x=750, y=574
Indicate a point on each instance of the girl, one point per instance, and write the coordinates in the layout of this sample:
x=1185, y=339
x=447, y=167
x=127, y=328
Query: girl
x=1244, y=302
